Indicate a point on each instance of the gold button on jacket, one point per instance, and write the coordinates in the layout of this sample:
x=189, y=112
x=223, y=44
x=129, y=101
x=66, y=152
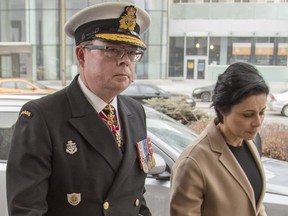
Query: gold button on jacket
x=137, y=202
x=106, y=205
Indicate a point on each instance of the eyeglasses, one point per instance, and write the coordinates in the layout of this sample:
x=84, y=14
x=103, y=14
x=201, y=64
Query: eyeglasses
x=117, y=52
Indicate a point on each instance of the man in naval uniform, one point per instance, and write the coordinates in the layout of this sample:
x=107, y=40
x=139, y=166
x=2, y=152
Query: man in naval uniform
x=70, y=157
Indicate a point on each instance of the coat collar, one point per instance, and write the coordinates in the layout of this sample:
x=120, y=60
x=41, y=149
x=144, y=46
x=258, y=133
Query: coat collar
x=227, y=159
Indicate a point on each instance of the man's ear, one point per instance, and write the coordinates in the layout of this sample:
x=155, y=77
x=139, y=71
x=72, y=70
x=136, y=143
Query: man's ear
x=80, y=55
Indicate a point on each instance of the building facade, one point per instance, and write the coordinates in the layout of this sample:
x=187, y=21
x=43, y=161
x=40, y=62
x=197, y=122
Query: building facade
x=188, y=39
x=206, y=37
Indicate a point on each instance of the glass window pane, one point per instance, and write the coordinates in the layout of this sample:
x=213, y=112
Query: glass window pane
x=8, y=120
x=132, y=89
x=282, y=51
x=147, y=90
x=196, y=46
x=8, y=85
x=214, y=50
x=21, y=85
x=176, y=57
x=11, y=18
x=239, y=49
x=264, y=53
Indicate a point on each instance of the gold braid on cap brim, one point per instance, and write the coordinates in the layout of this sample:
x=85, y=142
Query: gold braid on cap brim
x=121, y=38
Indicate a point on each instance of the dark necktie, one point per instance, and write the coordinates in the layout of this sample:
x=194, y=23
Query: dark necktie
x=108, y=114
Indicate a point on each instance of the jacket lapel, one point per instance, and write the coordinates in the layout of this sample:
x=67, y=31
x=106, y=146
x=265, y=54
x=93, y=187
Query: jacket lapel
x=230, y=163
x=256, y=157
x=130, y=152
x=87, y=122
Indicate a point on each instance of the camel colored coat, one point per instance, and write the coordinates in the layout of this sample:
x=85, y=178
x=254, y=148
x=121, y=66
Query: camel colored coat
x=207, y=180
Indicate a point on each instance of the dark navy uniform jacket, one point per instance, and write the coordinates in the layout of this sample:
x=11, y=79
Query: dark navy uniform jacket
x=64, y=160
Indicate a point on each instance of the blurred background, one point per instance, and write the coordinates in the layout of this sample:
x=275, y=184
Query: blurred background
x=189, y=40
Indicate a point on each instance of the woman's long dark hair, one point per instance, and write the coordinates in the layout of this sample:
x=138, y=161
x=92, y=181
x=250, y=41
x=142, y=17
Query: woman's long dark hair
x=239, y=81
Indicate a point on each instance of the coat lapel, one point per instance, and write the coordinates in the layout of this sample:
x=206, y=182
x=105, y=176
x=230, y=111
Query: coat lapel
x=130, y=152
x=256, y=157
x=230, y=163
x=87, y=122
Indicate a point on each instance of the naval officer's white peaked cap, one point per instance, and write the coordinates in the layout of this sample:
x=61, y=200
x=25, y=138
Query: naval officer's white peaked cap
x=118, y=22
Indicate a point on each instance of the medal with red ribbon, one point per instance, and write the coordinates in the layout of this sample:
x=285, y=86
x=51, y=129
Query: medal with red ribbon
x=145, y=155
x=108, y=114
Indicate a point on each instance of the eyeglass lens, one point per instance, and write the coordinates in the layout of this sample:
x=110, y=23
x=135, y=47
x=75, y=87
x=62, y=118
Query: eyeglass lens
x=117, y=52
x=134, y=55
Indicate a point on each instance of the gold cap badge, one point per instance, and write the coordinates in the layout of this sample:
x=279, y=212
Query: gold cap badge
x=128, y=18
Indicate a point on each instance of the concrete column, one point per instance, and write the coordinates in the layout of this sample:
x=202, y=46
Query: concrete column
x=49, y=38
x=6, y=61
x=31, y=35
x=223, y=50
x=5, y=21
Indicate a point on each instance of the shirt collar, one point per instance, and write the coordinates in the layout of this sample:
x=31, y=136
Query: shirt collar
x=97, y=103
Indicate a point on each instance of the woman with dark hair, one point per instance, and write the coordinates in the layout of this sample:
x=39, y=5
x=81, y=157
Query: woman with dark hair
x=221, y=174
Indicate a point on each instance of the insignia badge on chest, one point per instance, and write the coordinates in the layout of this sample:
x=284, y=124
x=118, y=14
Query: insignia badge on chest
x=74, y=198
x=71, y=147
x=145, y=155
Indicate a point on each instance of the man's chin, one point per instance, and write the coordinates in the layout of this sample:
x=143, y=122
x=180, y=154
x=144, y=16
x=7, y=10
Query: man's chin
x=123, y=84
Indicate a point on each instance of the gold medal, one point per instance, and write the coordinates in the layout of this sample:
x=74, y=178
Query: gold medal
x=151, y=162
x=145, y=165
x=118, y=139
x=110, y=119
